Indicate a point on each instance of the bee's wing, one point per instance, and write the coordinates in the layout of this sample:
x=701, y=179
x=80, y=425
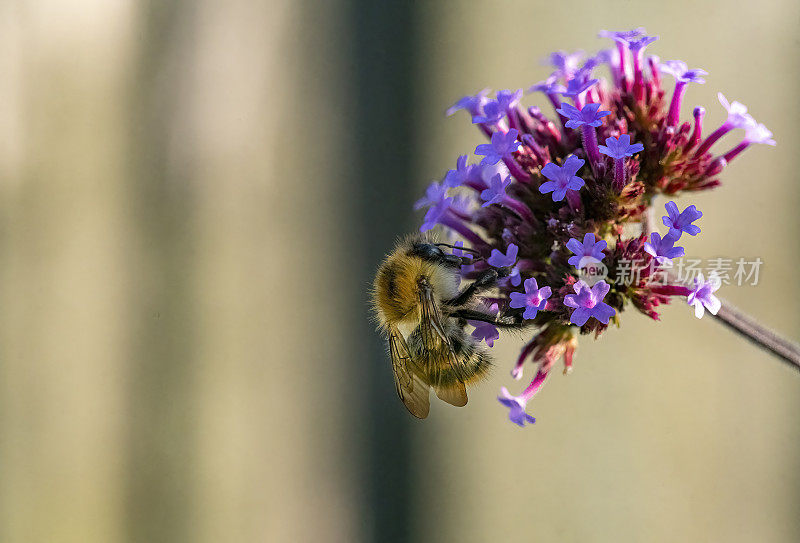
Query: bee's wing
x=432, y=330
x=412, y=390
x=454, y=395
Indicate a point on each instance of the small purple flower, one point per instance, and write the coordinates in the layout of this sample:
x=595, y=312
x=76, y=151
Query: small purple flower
x=588, y=115
x=434, y=194
x=591, y=63
x=759, y=134
x=461, y=204
x=435, y=214
x=516, y=406
x=485, y=331
x=663, y=250
x=702, y=296
x=588, y=302
x=755, y=133
x=495, y=110
x=493, y=113
x=565, y=63
x=509, y=99
x=472, y=104
x=485, y=172
x=681, y=72
x=737, y=113
x=503, y=143
x=562, y=178
x=637, y=45
x=679, y=222
x=496, y=193
x=623, y=36
x=533, y=300
x=578, y=85
x=500, y=260
x=463, y=173
x=737, y=118
x=587, y=252
x=623, y=40
x=620, y=147
x=606, y=56
x=548, y=86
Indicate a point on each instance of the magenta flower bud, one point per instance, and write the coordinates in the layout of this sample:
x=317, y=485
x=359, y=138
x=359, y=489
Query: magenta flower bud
x=699, y=113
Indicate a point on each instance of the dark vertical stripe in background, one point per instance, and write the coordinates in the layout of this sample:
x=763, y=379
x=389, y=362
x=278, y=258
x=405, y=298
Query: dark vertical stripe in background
x=161, y=490
x=383, y=54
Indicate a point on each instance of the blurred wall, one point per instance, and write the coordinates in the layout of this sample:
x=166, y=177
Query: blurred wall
x=194, y=198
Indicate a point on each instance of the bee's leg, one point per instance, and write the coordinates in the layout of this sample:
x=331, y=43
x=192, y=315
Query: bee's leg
x=485, y=280
x=472, y=315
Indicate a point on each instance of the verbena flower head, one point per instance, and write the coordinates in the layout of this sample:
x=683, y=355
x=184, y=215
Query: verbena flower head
x=550, y=223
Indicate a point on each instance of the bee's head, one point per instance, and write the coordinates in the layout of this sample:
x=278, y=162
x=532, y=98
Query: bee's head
x=433, y=253
x=427, y=251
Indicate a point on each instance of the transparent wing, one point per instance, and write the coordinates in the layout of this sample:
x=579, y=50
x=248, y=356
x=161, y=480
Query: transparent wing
x=434, y=339
x=412, y=390
x=454, y=395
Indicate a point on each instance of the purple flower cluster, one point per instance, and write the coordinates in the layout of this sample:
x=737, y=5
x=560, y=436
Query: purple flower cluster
x=547, y=202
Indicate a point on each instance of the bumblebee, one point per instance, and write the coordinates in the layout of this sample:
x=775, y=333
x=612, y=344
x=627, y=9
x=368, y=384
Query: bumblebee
x=423, y=314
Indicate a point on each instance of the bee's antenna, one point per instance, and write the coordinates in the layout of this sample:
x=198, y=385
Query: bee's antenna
x=466, y=249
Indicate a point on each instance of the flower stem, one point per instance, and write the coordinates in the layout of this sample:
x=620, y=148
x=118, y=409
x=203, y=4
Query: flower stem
x=455, y=224
x=515, y=169
x=710, y=140
x=620, y=175
x=675, y=106
x=762, y=336
x=519, y=208
x=745, y=325
x=590, y=145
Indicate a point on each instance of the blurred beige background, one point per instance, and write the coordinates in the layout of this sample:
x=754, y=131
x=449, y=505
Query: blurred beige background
x=194, y=196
